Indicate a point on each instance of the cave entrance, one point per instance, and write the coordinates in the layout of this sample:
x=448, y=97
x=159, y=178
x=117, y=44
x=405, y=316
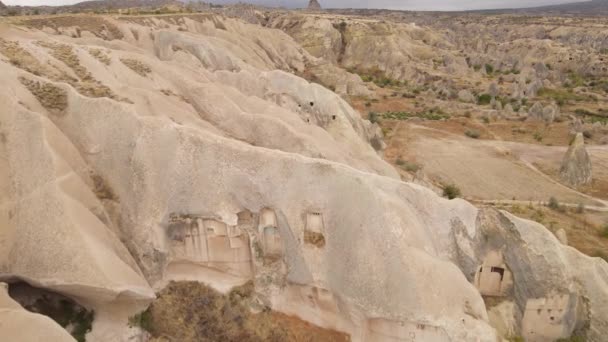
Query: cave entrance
x=73, y=317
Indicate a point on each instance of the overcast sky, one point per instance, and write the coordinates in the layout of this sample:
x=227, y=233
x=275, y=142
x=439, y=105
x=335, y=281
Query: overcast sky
x=445, y=5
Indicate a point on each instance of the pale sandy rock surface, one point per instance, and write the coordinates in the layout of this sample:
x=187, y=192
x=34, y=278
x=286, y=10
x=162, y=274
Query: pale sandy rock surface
x=210, y=159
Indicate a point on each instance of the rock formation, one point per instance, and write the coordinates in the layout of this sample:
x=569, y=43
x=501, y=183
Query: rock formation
x=21, y=325
x=466, y=96
x=548, y=113
x=314, y=5
x=2, y=6
x=576, y=165
x=562, y=236
x=208, y=158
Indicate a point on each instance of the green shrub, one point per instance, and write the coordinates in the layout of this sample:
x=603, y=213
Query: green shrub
x=451, y=191
x=431, y=114
x=471, y=133
x=604, y=231
x=559, y=95
x=373, y=117
x=142, y=320
x=489, y=68
x=191, y=311
x=408, y=166
x=553, y=203
x=538, y=136
x=484, y=99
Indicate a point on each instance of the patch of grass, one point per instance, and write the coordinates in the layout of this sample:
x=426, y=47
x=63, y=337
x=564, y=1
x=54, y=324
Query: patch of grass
x=484, y=99
x=193, y=312
x=408, y=166
x=139, y=67
x=489, y=69
x=471, y=133
x=100, y=56
x=431, y=114
x=604, y=231
x=576, y=80
x=142, y=320
x=592, y=117
x=554, y=204
x=21, y=58
x=86, y=84
x=82, y=323
x=451, y=191
x=378, y=77
x=538, y=136
x=50, y=96
x=559, y=95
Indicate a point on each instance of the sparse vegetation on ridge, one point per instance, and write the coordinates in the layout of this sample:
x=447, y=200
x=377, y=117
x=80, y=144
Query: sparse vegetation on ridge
x=193, y=312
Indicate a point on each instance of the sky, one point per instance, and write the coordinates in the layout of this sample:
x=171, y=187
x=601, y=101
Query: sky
x=439, y=5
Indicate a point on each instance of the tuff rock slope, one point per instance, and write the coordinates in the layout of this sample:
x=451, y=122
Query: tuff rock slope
x=140, y=150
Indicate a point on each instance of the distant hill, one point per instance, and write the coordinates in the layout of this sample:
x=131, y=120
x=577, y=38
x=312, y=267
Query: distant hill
x=593, y=7
x=118, y=4
x=2, y=6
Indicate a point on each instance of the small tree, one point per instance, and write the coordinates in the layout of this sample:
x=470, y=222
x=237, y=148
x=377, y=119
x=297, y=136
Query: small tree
x=484, y=99
x=604, y=232
x=373, y=117
x=471, y=133
x=553, y=203
x=451, y=191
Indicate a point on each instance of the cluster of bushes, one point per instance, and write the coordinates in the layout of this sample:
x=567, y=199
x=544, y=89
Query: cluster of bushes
x=484, y=99
x=554, y=204
x=559, y=95
x=593, y=117
x=451, y=191
x=472, y=133
x=192, y=312
x=431, y=114
x=378, y=77
x=604, y=231
x=576, y=80
x=408, y=165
